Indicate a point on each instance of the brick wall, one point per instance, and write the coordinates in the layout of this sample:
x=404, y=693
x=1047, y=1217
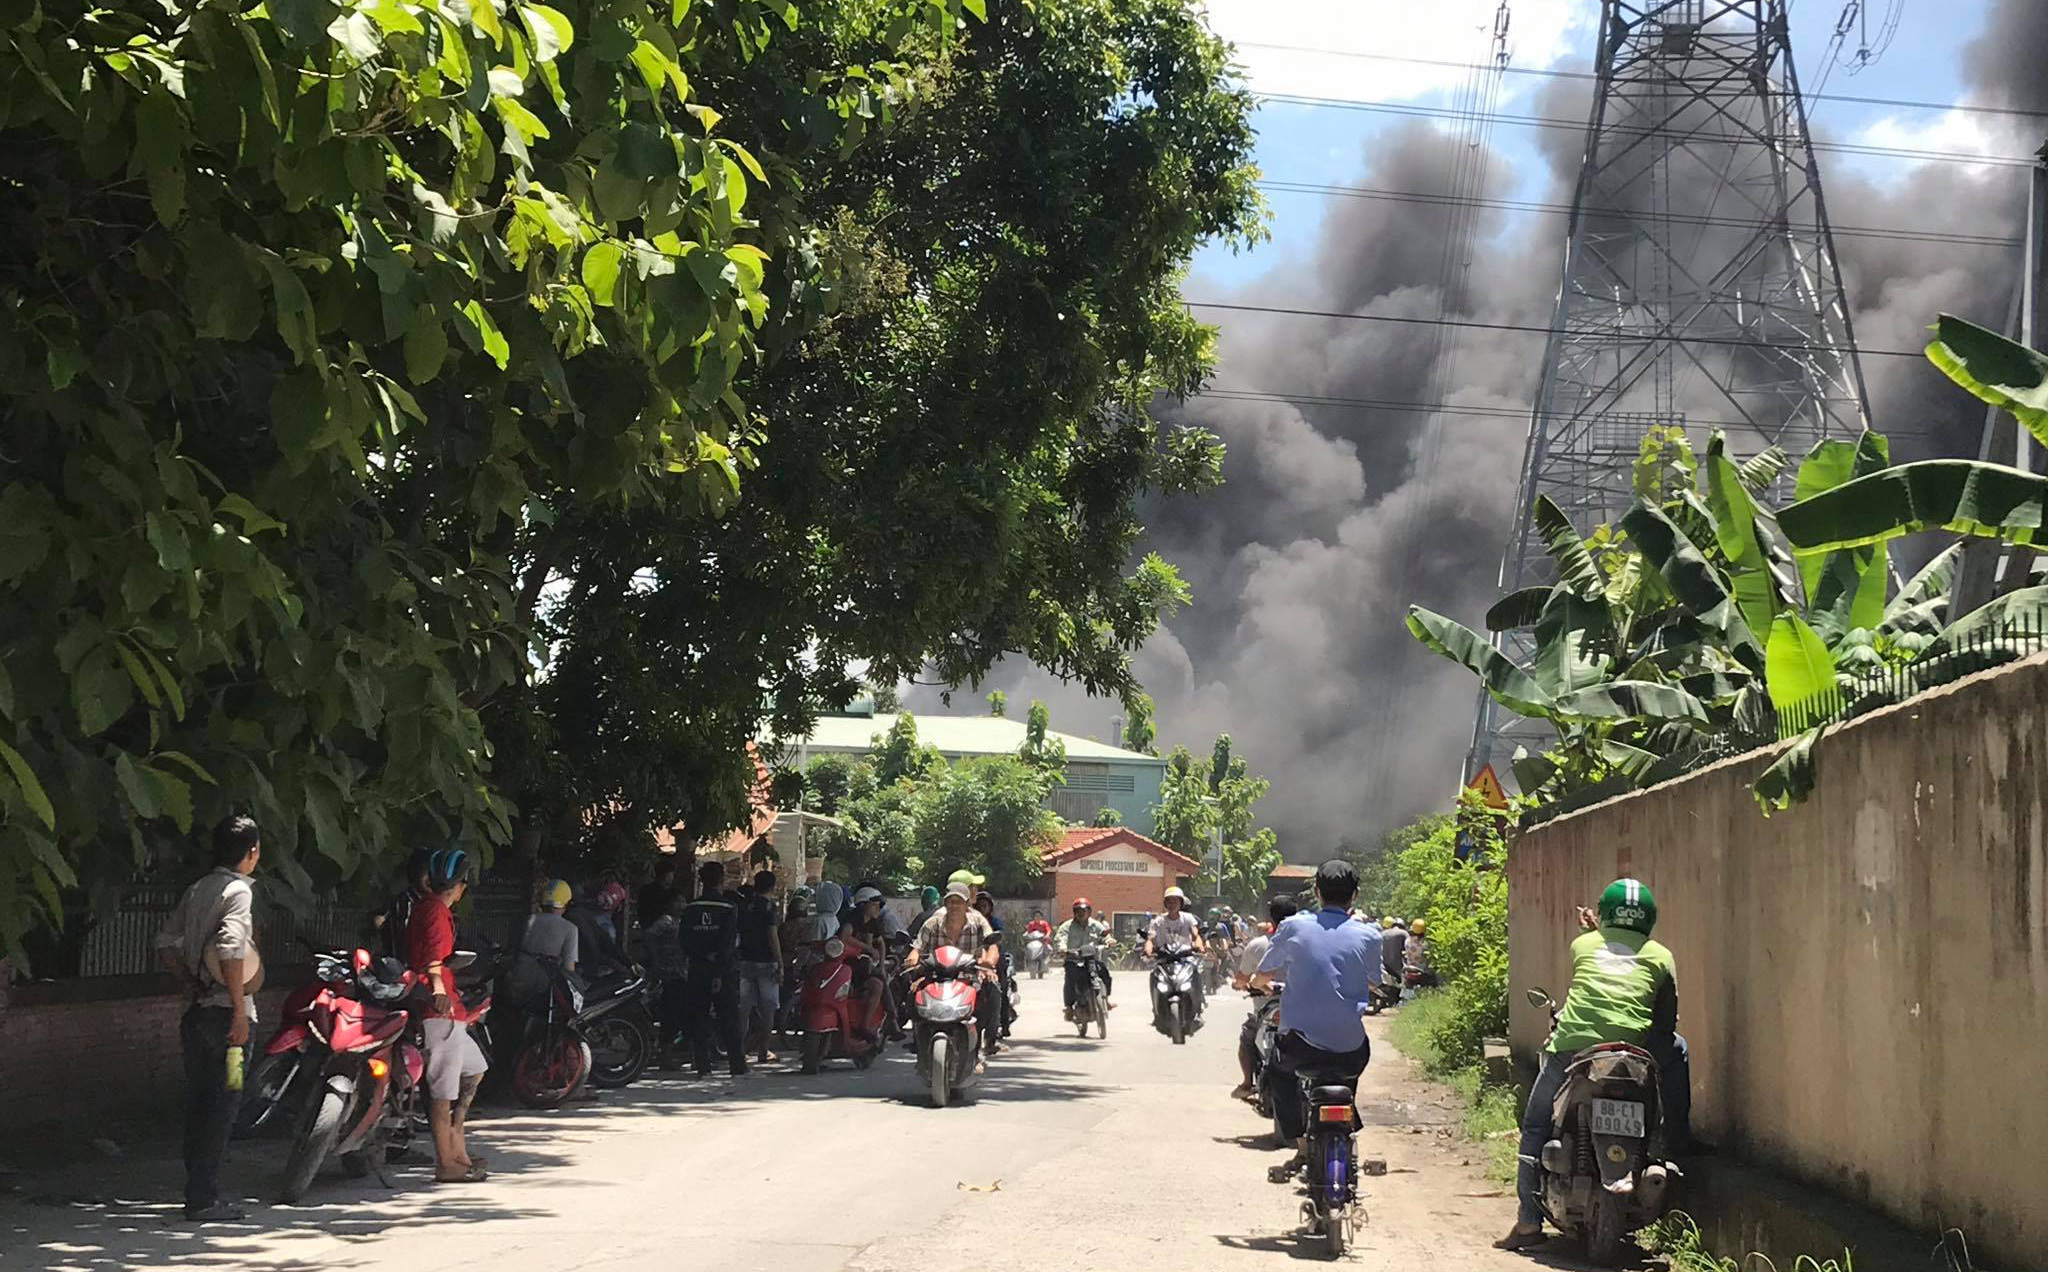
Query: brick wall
x=88, y=1053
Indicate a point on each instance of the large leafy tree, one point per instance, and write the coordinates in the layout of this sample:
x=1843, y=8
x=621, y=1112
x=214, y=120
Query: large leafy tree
x=958, y=429
x=312, y=312
x=1206, y=802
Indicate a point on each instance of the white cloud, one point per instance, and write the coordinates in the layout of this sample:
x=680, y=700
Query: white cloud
x=1952, y=132
x=1443, y=30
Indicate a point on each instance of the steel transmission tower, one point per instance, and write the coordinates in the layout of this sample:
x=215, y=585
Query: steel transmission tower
x=1700, y=286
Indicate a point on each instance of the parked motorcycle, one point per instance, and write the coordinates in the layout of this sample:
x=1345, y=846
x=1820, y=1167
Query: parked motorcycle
x=276, y=1080
x=619, y=1027
x=365, y=1067
x=1603, y=1174
x=1383, y=995
x=838, y=1024
x=550, y=1055
x=946, y=1033
x=1176, y=998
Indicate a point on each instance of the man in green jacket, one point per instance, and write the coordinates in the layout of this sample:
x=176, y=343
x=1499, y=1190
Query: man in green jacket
x=1624, y=989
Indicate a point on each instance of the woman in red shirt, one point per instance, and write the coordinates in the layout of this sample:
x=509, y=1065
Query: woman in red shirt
x=455, y=1065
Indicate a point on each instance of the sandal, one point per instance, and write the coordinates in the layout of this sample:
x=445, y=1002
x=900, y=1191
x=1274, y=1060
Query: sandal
x=475, y=1174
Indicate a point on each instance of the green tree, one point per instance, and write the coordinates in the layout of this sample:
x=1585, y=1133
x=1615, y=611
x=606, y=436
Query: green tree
x=961, y=405
x=1047, y=755
x=898, y=755
x=998, y=704
x=1207, y=801
x=887, y=700
x=827, y=781
x=986, y=814
x=1139, y=732
x=1184, y=817
x=1107, y=817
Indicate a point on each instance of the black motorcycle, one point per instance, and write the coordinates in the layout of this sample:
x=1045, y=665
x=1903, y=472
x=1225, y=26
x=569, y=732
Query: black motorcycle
x=619, y=1026
x=1331, y=1157
x=1176, y=993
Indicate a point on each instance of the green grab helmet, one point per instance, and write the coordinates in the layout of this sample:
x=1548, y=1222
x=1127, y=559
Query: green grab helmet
x=1215, y=913
x=930, y=897
x=1627, y=903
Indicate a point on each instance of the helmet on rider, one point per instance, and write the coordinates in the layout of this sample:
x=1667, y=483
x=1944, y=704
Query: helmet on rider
x=611, y=896
x=447, y=868
x=866, y=895
x=1418, y=928
x=1082, y=904
x=1627, y=903
x=556, y=895
x=929, y=897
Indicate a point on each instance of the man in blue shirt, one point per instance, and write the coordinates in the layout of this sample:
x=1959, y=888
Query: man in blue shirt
x=1327, y=965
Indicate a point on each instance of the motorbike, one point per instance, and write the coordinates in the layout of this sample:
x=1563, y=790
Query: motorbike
x=618, y=1026
x=1091, y=1005
x=944, y=1028
x=1383, y=995
x=1176, y=998
x=1265, y=1046
x=1331, y=1158
x=838, y=1025
x=551, y=1055
x=276, y=1078
x=1603, y=1173
x=364, y=1067
x=1037, y=954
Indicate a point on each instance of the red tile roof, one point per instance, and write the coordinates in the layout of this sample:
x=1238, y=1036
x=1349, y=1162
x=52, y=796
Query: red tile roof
x=1085, y=841
x=1288, y=870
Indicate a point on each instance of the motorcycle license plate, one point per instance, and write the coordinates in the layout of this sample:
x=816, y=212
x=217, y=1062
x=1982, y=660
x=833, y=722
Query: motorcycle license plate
x=1618, y=1117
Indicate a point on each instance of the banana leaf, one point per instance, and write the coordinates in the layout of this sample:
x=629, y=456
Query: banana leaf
x=1848, y=584
x=2025, y=609
x=1576, y=571
x=1761, y=469
x=1797, y=664
x=1735, y=528
x=1532, y=772
x=1508, y=684
x=1922, y=605
x=1574, y=643
x=1518, y=609
x=1715, y=687
x=2002, y=372
x=1791, y=777
x=1960, y=495
x=1692, y=579
x=1631, y=761
x=1629, y=700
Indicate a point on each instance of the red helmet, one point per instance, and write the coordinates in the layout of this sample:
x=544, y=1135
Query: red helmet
x=1082, y=903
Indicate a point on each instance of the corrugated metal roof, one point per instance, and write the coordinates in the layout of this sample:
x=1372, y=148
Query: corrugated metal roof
x=957, y=735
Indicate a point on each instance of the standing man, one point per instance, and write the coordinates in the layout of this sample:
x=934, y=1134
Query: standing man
x=1328, y=968
x=209, y=944
x=711, y=942
x=455, y=1065
x=656, y=893
x=1393, y=949
x=760, y=964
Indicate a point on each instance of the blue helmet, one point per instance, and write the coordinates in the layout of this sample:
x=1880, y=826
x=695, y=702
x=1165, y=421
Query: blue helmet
x=446, y=868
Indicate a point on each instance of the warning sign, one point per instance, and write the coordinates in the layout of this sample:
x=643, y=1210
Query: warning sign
x=1489, y=788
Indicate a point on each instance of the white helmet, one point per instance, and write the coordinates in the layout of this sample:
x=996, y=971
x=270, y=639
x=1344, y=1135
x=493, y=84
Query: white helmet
x=1175, y=894
x=866, y=895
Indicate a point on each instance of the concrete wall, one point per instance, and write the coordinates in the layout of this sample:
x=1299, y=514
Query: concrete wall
x=1863, y=978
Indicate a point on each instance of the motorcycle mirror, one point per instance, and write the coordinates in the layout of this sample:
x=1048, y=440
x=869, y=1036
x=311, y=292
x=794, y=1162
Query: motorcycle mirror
x=1538, y=996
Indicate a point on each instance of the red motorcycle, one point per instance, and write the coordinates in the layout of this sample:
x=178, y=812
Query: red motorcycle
x=362, y=1063
x=947, y=1035
x=839, y=1022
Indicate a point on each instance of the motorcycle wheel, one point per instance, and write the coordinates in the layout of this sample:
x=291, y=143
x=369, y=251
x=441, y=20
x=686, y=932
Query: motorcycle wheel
x=1176, y=1022
x=814, y=1052
x=549, y=1070
x=619, y=1050
x=319, y=1126
x=264, y=1090
x=942, y=1071
x=1336, y=1232
x=1081, y=1025
x=1606, y=1232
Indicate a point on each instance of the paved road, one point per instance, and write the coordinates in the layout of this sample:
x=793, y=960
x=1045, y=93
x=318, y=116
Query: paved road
x=1073, y=1155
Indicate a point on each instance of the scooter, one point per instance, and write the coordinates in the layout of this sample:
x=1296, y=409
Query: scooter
x=619, y=1028
x=1037, y=953
x=276, y=1079
x=838, y=1024
x=1091, y=1005
x=946, y=1033
x=1603, y=1174
x=367, y=1066
x=1176, y=997
x=1383, y=995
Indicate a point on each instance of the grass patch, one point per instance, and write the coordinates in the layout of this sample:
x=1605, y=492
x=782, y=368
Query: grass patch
x=1493, y=1113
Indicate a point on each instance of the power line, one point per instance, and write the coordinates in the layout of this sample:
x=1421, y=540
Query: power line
x=1579, y=126
x=1677, y=218
x=1473, y=324
x=1554, y=73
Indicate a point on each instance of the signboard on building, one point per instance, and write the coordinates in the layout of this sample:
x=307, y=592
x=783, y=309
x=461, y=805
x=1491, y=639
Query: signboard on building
x=1121, y=860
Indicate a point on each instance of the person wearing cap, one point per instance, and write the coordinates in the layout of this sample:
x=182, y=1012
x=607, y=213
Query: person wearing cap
x=1174, y=929
x=961, y=926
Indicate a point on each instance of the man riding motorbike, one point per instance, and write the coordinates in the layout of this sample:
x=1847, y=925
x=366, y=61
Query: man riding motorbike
x=1006, y=966
x=1328, y=965
x=961, y=926
x=1624, y=989
x=1279, y=909
x=1079, y=943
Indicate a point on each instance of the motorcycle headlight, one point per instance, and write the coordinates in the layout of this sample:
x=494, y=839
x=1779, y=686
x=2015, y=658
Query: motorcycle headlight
x=945, y=1010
